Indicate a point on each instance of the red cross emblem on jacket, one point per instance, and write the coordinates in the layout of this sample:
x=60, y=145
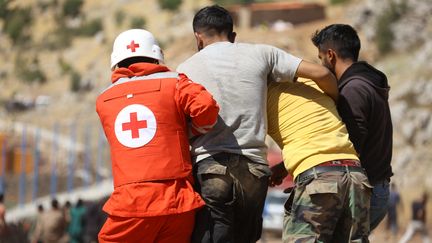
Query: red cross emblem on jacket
x=135, y=126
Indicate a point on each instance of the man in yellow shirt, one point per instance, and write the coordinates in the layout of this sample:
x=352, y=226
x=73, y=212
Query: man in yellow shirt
x=330, y=200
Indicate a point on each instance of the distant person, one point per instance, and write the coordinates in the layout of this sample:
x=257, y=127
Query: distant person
x=3, y=227
x=37, y=221
x=52, y=225
x=392, y=213
x=66, y=211
x=364, y=108
x=13, y=233
x=2, y=211
x=10, y=232
x=144, y=114
x=77, y=222
x=418, y=221
x=330, y=200
x=94, y=219
x=230, y=164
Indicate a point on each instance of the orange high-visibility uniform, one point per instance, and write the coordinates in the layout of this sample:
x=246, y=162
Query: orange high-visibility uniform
x=144, y=116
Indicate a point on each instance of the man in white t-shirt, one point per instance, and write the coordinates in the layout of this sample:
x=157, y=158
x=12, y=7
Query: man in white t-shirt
x=230, y=164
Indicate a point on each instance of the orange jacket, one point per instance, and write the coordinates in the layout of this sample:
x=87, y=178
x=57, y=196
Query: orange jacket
x=144, y=121
x=144, y=115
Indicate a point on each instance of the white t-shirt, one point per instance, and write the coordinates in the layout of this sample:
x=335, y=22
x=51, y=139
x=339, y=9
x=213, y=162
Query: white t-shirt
x=236, y=74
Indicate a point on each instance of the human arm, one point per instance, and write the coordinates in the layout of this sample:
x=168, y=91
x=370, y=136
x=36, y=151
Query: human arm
x=354, y=108
x=322, y=76
x=286, y=68
x=279, y=173
x=198, y=104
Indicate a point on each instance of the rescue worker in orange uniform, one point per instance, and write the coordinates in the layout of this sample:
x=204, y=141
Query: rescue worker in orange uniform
x=144, y=114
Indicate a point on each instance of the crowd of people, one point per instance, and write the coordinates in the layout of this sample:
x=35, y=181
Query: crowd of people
x=79, y=223
x=417, y=221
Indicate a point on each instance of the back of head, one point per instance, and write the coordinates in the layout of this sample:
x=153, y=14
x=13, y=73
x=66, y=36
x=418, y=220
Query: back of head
x=54, y=204
x=213, y=20
x=67, y=204
x=136, y=45
x=79, y=203
x=342, y=38
x=40, y=208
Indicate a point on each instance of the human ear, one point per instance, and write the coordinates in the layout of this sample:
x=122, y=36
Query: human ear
x=331, y=56
x=232, y=36
x=199, y=41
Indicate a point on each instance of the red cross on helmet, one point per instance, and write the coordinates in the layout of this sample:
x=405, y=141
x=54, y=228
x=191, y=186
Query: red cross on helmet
x=135, y=43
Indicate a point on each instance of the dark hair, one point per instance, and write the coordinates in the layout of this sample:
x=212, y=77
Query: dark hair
x=40, y=208
x=213, y=20
x=342, y=38
x=54, y=203
x=131, y=60
x=67, y=204
x=79, y=203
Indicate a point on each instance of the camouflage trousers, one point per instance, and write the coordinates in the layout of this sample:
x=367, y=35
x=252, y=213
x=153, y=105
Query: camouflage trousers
x=330, y=207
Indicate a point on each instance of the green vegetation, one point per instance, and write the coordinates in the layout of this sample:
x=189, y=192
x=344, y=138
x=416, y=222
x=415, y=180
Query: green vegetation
x=62, y=37
x=138, y=23
x=171, y=5
x=119, y=17
x=3, y=8
x=16, y=22
x=75, y=78
x=64, y=66
x=384, y=33
x=29, y=71
x=90, y=28
x=338, y=1
x=33, y=76
x=75, y=81
x=72, y=8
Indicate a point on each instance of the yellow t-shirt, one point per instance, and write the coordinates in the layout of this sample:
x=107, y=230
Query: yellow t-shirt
x=305, y=124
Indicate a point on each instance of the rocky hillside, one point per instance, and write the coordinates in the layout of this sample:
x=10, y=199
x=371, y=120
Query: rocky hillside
x=402, y=31
x=54, y=60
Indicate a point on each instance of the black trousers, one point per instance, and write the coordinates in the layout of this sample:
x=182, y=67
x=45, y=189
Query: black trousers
x=234, y=200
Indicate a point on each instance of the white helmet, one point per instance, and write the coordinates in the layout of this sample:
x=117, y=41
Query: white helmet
x=135, y=43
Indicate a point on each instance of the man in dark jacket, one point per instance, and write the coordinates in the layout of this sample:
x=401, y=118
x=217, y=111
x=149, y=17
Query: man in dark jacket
x=363, y=106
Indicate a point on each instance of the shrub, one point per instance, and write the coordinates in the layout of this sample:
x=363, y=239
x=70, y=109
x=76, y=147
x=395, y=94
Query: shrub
x=3, y=8
x=29, y=71
x=16, y=23
x=72, y=8
x=75, y=81
x=90, y=28
x=61, y=38
x=138, y=23
x=33, y=75
x=119, y=17
x=171, y=5
x=338, y=1
x=383, y=31
x=64, y=66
